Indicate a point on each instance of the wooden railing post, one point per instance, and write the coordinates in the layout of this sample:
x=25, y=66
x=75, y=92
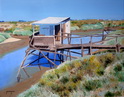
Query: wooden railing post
x=82, y=49
x=62, y=38
x=116, y=40
x=118, y=46
x=68, y=38
x=90, y=48
x=103, y=37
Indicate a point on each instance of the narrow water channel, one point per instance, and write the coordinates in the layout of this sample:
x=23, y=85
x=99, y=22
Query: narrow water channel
x=9, y=63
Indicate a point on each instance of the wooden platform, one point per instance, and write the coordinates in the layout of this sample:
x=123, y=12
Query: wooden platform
x=79, y=46
x=64, y=51
x=86, y=46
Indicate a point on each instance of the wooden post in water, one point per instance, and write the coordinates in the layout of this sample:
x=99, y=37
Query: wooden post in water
x=116, y=41
x=103, y=37
x=90, y=48
x=62, y=57
x=69, y=54
x=118, y=47
x=26, y=72
x=69, y=42
x=39, y=61
x=68, y=38
x=82, y=49
x=55, y=56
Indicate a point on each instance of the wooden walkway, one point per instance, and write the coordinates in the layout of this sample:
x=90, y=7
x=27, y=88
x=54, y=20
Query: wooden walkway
x=86, y=46
x=49, y=45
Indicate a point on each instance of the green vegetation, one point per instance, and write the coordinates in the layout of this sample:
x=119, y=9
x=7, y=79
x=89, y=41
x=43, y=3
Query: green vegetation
x=4, y=36
x=92, y=26
x=95, y=24
x=120, y=40
x=23, y=32
x=17, y=28
x=96, y=75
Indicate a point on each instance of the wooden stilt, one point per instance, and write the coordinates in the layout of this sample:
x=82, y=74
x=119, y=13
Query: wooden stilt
x=26, y=72
x=69, y=54
x=39, y=61
x=103, y=36
x=18, y=74
x=62, y=57
x=116, y=40
x=48, y=59
x=55, y=56
x=32, y=62
x=82, y=49
x=118, y=47
x=59, y=56
x=90, y=48
x=49, y=62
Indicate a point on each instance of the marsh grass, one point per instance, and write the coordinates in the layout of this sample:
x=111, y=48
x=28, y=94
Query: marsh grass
x=86, y=76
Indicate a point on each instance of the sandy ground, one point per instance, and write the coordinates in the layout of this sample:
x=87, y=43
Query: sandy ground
x=9, y=40
x=13, y=43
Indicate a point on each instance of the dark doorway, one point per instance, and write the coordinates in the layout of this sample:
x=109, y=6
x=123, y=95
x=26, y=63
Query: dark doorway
x=57, y=31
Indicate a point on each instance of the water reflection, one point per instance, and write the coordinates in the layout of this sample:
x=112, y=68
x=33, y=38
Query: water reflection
x=9, y=63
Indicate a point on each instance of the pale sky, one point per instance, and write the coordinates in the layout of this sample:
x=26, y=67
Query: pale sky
x=13, y=10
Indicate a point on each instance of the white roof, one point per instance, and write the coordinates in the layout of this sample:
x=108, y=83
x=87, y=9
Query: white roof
x=51, y=20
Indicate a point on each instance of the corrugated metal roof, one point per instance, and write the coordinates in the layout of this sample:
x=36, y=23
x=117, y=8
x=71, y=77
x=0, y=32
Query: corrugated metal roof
x=51, y=20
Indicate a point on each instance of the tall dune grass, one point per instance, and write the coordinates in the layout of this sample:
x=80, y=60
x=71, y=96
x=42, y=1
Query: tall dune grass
x=97, y=75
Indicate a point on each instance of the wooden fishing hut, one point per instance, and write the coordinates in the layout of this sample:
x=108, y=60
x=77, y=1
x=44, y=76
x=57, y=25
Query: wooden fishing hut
x=51, y=32
x=50, y=36
x=56, y=26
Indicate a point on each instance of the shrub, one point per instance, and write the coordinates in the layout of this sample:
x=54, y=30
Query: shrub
x=2, y=38
x=57, y=87
x=100, y=71
x=106, y=59
x=63, y=69
x=109, y=94
x=122, y=62
x=76, y=78
x=117, y=68
x=22, y=32
x=77, y=63
x=42, y=82
x=71, y=86
x=64, y=79
x=113, y=94
x=120, y=76
x=92, y=84
x=6, y=35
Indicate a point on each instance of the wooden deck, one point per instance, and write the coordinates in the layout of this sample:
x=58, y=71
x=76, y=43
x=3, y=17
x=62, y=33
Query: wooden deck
x=86, y=46
x=50, y=45
x=79, y=46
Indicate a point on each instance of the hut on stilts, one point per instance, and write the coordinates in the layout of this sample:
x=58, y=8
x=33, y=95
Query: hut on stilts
x=51, y=32
x=49, y=39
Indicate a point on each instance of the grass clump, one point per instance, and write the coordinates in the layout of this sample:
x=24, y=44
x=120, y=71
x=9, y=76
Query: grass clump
x=64, y=79
x=112, y=94
x=92, y=84
x=118, y=68
x=88, y=76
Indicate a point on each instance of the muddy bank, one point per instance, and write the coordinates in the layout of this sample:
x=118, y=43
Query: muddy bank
x=22, y=86
x=11, y=46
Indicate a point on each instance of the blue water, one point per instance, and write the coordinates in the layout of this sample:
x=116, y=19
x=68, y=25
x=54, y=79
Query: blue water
x=9, y=63
x=84, y=41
